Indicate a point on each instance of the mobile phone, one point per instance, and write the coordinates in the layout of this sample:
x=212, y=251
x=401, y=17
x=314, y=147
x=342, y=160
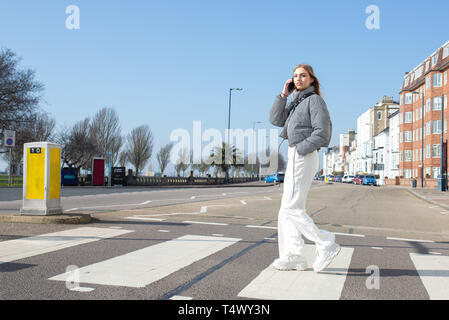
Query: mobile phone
x=291, y=86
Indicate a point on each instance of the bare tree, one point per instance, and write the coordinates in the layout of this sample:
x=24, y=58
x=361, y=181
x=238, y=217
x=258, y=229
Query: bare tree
x=77, y=145
x=123, y=158
x=40, y=128
x=106, y=131
x=183, y=162
x=163, y=156
x=140, y=147
x=20, y=93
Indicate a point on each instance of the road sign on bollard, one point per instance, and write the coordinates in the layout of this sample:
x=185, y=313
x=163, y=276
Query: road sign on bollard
x=41, y=179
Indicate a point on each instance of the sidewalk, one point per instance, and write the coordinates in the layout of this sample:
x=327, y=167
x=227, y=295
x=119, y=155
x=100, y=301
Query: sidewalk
x=431, y=195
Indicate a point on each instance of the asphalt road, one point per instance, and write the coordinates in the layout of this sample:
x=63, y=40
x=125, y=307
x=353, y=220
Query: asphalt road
x=394, y=246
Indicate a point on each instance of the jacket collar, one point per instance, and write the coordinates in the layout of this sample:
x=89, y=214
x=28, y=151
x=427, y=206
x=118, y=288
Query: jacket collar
x=298, y=94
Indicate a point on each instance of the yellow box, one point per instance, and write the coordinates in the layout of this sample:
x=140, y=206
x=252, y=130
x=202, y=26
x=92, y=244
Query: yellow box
x=35, y=186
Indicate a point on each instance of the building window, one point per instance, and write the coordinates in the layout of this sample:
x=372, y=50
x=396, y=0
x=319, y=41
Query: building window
x=427, y=151
x=437, y=103
x=434, y=59
x=436, y=126
x=445, y=77
x=407, y=173
x=427, y=127
x=408, y=117
x=427, y=65
x=435, y=172
x=437, y=80
x=407, y=136
x=406, y=82
x=407, y=155
x=408, y=98
x=428, y=82
x=436, y=151
x=401, y=100
x=446, y=51
x=428, y=105
x=379, y=115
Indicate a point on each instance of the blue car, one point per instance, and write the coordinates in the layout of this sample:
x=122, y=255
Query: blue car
x=275, y=177
x=369, y=179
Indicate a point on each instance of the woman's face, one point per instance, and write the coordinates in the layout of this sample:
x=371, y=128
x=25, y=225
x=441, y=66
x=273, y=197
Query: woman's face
x=302, y=79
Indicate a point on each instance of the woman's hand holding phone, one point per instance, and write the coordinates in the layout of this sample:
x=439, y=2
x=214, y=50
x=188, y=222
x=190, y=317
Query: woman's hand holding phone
x=289, y=86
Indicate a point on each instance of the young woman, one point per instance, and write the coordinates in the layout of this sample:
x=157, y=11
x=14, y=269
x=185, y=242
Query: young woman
x=307, y=126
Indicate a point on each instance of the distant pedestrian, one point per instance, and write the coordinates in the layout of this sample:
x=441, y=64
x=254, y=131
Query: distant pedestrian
x=307, y=126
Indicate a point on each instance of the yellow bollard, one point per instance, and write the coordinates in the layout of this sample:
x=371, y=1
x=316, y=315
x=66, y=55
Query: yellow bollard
x=41, y=179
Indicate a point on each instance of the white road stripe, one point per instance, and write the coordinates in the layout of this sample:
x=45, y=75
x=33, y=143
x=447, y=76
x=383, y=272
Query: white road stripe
x=434, y=274
x=350, y=234
x=243, y=202
x=180, y=298
x=203, y=209
x=72, y=209
x=144, y=218
x=267, y=198
x=145, y=266
x=261, y=227
x=210, y=223
x=32, y=246
x=82, y=289
x=272, y=284
x=411, y=240
x=146, y=202
x=377, y=248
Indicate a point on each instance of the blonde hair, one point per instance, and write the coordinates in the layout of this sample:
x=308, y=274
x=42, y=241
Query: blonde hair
x=309, y=69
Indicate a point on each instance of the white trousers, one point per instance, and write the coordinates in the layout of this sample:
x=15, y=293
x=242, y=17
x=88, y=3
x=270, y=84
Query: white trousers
x=293, y=221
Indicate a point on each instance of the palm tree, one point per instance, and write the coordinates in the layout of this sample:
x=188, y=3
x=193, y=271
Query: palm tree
x=224, y=157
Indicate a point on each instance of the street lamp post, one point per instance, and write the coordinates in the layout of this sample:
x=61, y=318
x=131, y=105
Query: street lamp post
x=422, y=138
x=229, y=124
x=254, y=144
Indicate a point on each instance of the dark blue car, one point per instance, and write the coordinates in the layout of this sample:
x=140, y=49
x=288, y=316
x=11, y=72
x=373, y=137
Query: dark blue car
x=369, y=179
x=275, y=177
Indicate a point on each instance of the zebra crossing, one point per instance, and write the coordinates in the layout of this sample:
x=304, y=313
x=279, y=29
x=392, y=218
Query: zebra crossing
x=230, y=262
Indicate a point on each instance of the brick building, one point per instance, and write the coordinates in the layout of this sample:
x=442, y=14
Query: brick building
x=429, y=80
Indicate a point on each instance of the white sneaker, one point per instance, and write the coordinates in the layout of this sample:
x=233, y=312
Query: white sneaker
x=292, y=262
x=324, y=258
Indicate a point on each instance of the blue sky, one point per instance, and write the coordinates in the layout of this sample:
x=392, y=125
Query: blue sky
x=168, y=63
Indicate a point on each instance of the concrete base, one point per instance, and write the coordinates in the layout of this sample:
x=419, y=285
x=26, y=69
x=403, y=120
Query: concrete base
x=40, y=211
x=50, y=219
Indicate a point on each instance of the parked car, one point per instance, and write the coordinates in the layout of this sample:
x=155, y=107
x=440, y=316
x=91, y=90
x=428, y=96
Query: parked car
x=369, y=179
x=358, y=179
x=348, y=179
x=338, y=178
x=275, y=177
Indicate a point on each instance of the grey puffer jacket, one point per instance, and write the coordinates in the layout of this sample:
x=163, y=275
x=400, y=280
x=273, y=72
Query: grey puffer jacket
x=308, y=127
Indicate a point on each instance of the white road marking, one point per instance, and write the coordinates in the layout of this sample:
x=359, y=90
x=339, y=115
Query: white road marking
x=434, y=274
x=218, y=235
x=72, y=209
x=142, y=267
x=410, y=240
x=444, y=212
x=203, y=209
x=180, y=298
x=209, y=223
x=144, y=218
x=115, y=227
x=377, y=248
x=146, y=202
x=269, y=239
x=267, y=198
x=432, y=252
x=192, y=197
x=163, y=230
x=243, y=202
x=261, y=227
x=350, y=234
x=273, y=284
x=82, y=289
x=28, y=247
